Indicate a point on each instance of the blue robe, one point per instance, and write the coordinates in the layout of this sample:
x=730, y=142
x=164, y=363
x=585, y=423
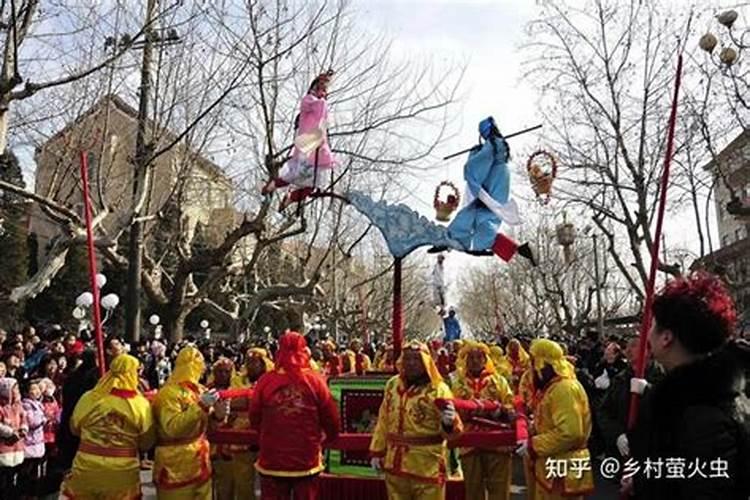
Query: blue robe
x=452, y=329
x=476, y=226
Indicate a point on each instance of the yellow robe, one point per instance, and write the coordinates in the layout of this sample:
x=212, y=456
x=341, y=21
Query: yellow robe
x=485, y=470
x=562, y=424
x=113, y=430
x=240, y=484
x=409, y=433
x=182, y=465
x=530, y=401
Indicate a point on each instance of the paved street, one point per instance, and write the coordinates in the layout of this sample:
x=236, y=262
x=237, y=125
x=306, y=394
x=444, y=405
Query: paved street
x=605, y=490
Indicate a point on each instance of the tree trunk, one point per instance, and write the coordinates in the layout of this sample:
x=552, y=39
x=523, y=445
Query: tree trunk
x=176, y=323
x=4, y=117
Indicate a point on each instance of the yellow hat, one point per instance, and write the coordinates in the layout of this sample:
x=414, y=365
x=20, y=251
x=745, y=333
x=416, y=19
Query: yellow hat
x=547, y=352
x=468, y=347
x=523, y=356
x=122, y=374
x=188, y=367
x=502, y=365
x=429, y=363
x=259, y=352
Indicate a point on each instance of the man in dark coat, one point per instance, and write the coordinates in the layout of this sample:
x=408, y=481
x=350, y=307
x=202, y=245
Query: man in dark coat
x=692, y=439
x=612, y=413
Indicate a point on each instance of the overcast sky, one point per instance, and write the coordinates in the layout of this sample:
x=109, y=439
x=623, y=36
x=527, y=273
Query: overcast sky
x=485, y=36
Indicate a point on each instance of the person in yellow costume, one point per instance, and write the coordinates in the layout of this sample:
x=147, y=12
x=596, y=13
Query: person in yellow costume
x=487, y=472
x=222, y=373
x=182, y=408
x=242, y=457
x=519, y=362
x=502, y=365
x=409, y=441
x=528, y=394
x=114, y=422
x=562, y=425
x=362, y=363
x=384, y=359
x=348, y=362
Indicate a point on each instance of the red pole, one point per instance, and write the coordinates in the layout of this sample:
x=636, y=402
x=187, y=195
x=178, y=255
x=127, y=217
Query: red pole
x=398, y=310
x=92, y=263
x=646, y=322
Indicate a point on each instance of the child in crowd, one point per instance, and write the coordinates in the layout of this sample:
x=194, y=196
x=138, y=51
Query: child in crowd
x=13, y=429
x=34, y=453
x=51, y=414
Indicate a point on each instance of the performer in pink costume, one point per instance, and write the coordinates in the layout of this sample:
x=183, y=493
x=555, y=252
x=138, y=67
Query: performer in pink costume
x=311, y=158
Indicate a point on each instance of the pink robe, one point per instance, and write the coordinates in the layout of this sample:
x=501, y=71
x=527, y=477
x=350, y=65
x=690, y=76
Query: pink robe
x=311, y=140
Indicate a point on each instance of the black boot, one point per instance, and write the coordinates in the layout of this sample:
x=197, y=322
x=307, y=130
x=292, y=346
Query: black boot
x=481, y=253
x=437, y=249
x=525, y=251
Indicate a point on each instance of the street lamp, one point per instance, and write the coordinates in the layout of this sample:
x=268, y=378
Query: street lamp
x=154, y=321
x=599, y=315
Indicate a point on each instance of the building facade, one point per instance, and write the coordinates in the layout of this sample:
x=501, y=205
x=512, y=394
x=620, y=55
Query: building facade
x=107, y=132
x=731, y=169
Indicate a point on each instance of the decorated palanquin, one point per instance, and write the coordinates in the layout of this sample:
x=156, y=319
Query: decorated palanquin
x=359, y=399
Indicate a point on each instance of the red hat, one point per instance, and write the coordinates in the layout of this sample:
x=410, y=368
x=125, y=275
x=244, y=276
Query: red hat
x=293, y=355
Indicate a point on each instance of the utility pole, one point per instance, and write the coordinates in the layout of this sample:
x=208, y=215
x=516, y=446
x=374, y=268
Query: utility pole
x=140, y=177
x=336, y=218
x=599, y=316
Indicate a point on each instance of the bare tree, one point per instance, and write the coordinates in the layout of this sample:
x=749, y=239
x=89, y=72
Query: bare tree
x=229, y=91
x=557, y=297
x=606, y=75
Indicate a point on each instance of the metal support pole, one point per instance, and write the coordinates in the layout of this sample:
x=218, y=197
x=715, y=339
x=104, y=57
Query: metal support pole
x=398, y=310
x=135, y=248
x=599, y=316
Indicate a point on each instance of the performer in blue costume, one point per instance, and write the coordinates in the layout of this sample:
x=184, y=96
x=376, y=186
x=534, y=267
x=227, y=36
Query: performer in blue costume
x=487, y=200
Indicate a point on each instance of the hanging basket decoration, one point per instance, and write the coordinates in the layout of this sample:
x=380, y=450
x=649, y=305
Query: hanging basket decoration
x=542, y=169
x=446, y=207
x=566, y=236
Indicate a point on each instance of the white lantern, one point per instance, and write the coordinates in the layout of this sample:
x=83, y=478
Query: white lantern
x=267, y=329
x=85, y=299
x=79, y=313
x=154, y=319
x=101, y=280
x=204, y=324
x=110, y=301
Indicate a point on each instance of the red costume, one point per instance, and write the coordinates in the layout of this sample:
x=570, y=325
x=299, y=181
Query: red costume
x=292, y=408
x=444, y=363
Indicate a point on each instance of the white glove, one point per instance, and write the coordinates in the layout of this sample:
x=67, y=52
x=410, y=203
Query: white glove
x=449, y=415
x=522, y=448
x=638, y=385
x=209, y=398
x=602, y=381
x=376, y=463
x=623, y=446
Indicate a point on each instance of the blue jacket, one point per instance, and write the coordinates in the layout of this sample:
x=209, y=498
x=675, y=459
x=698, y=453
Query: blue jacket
x=452, y=329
